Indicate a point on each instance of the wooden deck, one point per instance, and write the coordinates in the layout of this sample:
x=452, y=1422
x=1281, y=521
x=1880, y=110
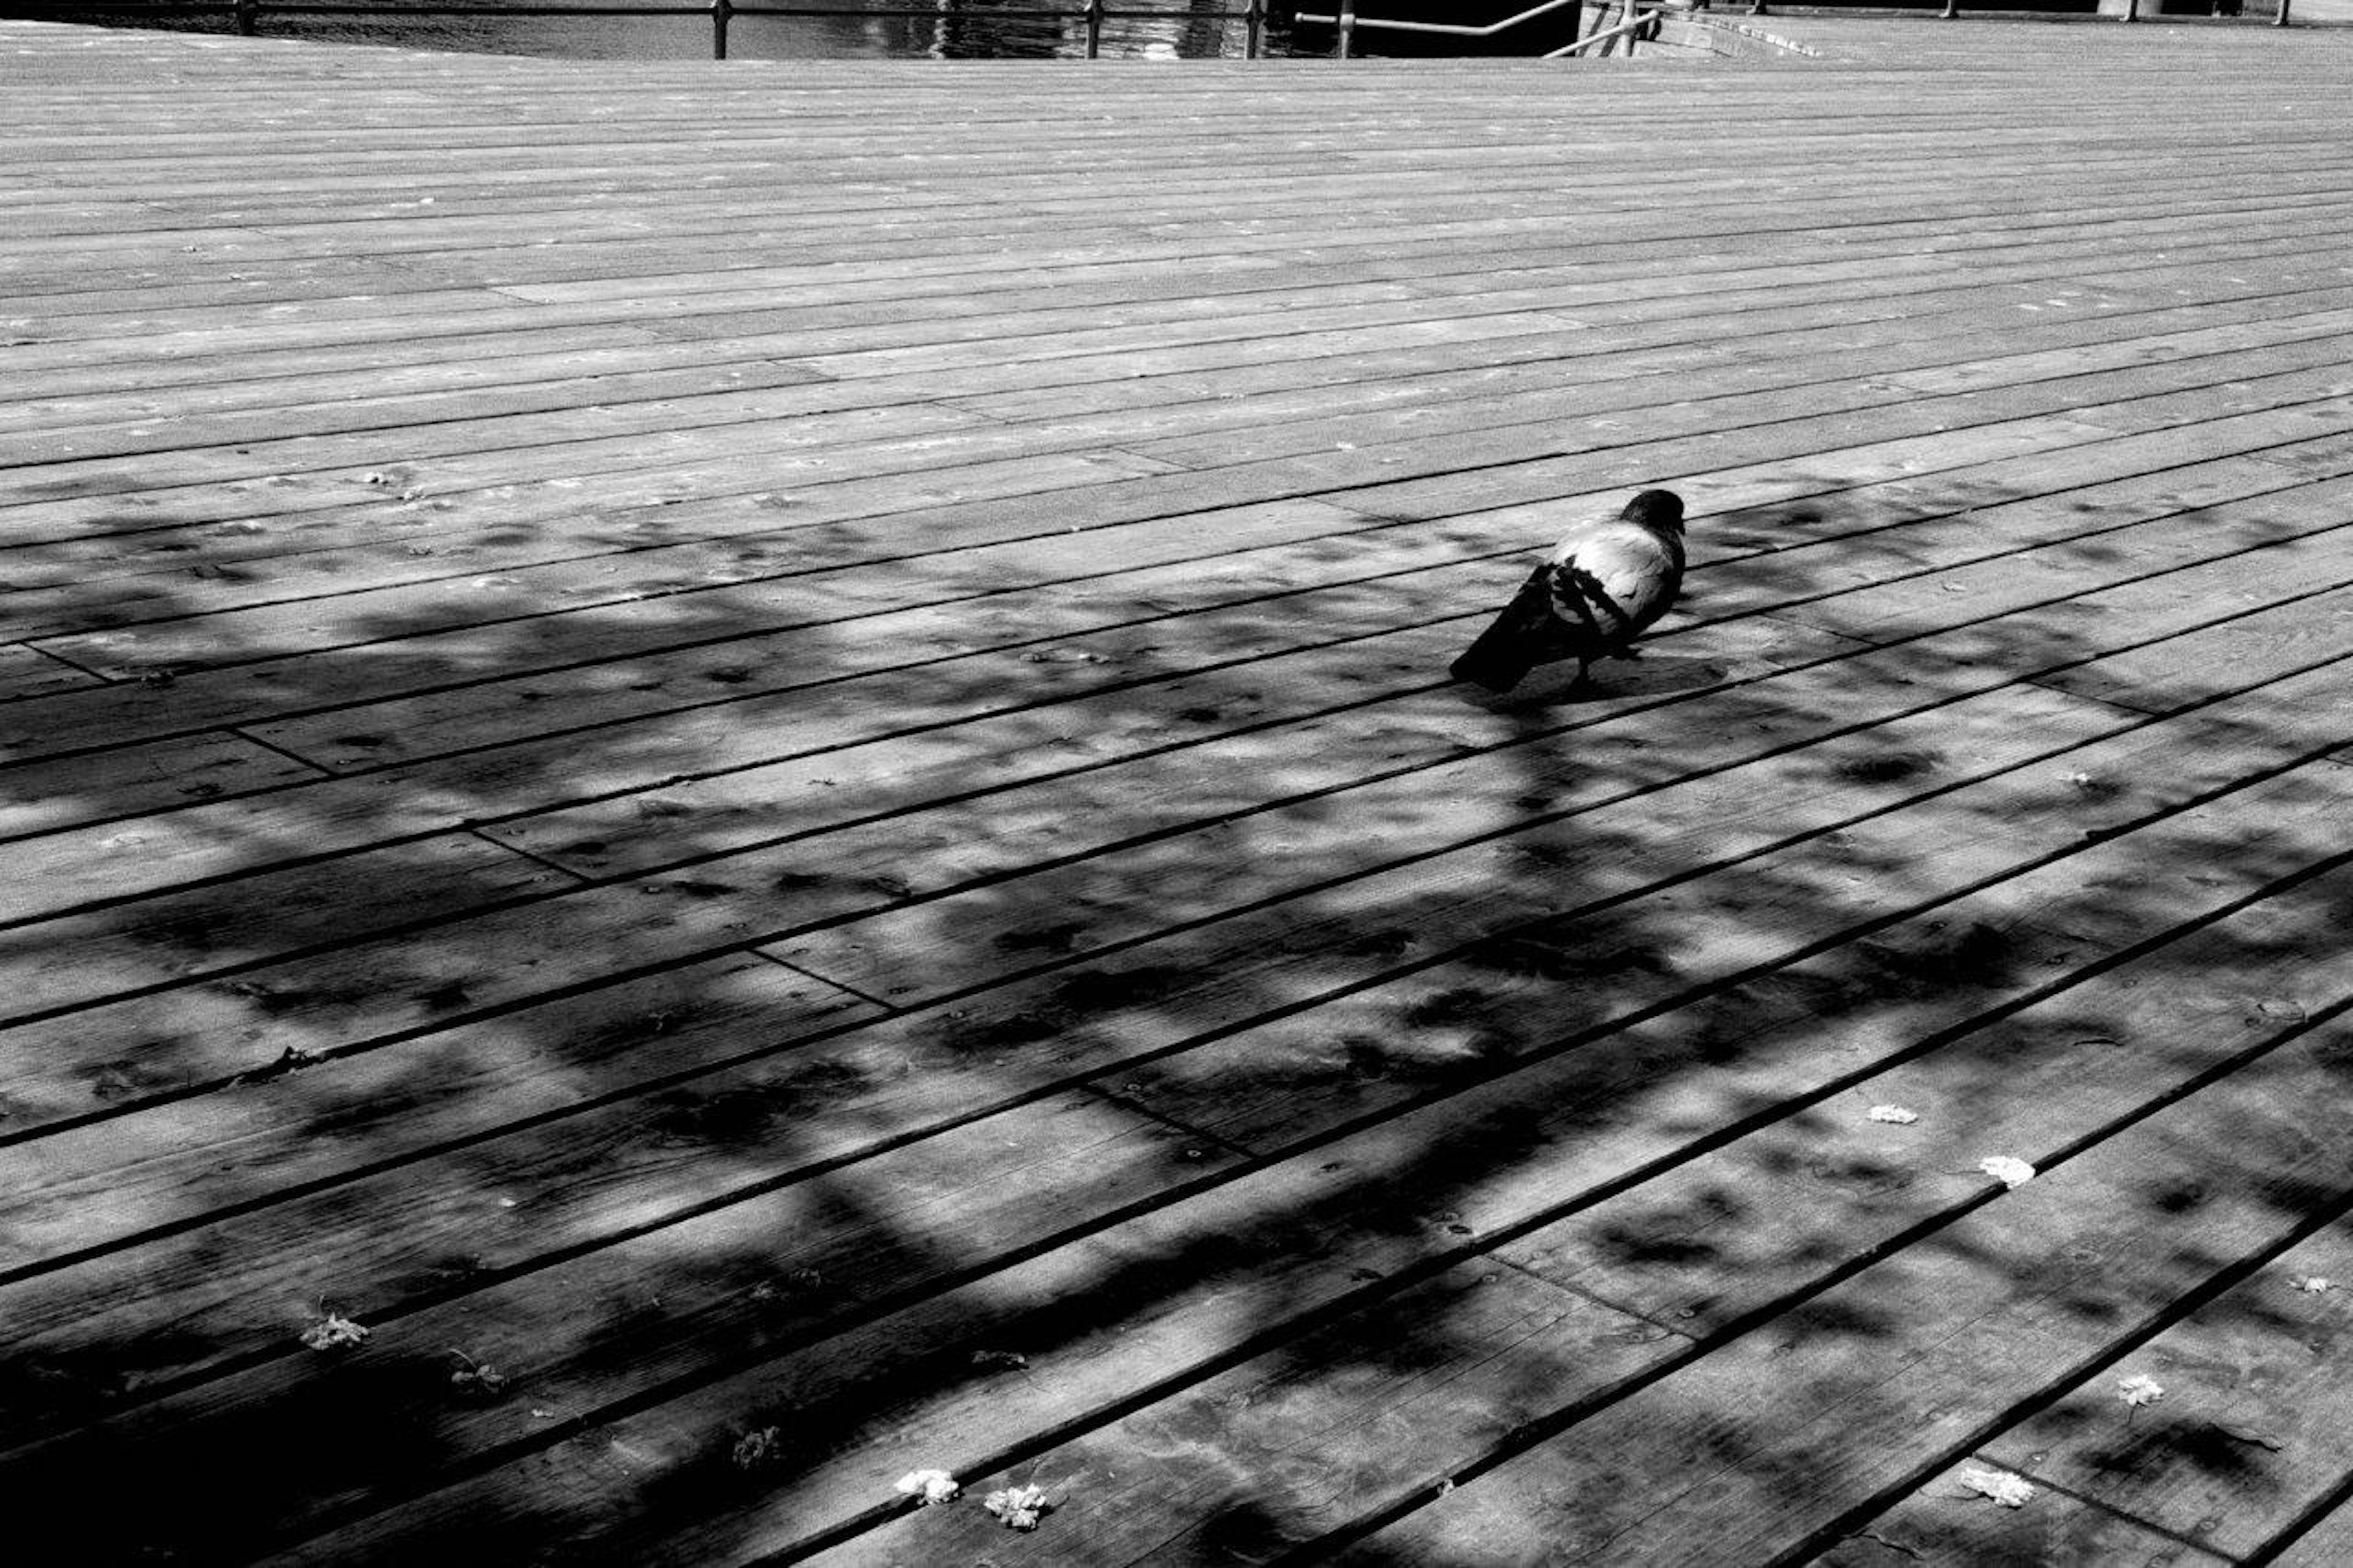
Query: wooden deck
x=756, y=759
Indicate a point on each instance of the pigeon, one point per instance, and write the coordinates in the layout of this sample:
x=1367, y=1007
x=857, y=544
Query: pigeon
x=1606, y=581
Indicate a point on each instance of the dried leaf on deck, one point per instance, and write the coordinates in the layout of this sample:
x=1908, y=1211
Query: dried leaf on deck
x=2140, y=1389
x=334, y=1331
x=756, y=1449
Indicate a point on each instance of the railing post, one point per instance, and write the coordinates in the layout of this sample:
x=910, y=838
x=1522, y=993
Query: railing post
x=1952, y=9
x=2132, y=10
x=1094, y=28
x=1254, y=30
x=720, y=10
x=2279, y=17
x=1347, y=28
x=249, y=16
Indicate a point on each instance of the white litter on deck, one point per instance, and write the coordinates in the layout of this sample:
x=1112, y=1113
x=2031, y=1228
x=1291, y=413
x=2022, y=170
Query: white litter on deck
x=2010, y=1173
x=1020, y=1507
x=333, y=1332
x=2005, y=1489
x=929, y=1487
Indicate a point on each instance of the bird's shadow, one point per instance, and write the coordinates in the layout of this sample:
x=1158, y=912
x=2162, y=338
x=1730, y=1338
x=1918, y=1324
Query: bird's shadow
x=1649, y=675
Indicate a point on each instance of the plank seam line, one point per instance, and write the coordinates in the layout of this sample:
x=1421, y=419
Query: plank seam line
x=392, y=1037
x=101, y=677
x=320, y=772
x=1898, y=175
x=1601, y=1191
x=2195, y=1300
x=1340, y=496
x=854, y=364
x=472, y=829
x=806, y=972
x=1534, y=1431
x=1135, y=1107
x=1777, y=613
x=642, y=337
x=638, y=873
x=1768, y=298
x=1935, y=1040
x=1109, y=687
x=1592, y=1296
x=1323, y=498
x=1750, y=395
x=1377, y=522
x=1730, y=274
x=1532, y=1434
x=53, y=656
x=2309, y=1519
x=2087, y=1500
x=1372, y=524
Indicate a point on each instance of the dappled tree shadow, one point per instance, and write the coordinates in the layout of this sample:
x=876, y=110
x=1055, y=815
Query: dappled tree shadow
x=733, y=1059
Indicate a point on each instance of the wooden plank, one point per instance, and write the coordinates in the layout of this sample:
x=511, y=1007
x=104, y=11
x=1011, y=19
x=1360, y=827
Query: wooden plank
x=1057, y=631
x=1892, y=1370
x=1362, y=1209
x=876, y=865
x=27, y=671
x=727, y=403
x=1692, y=1229
x=418, y=558
x=224, y=546
x=264, y=629
x=1947, y=1521
x=2324, y=1543
x=1209, y=1018
x=739, y=804
x=47, y=797
x=210, y=834
x=868, y=869
x=2242, y=1442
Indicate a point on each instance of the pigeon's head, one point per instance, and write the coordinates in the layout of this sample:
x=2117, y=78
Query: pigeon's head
x=1656, y=508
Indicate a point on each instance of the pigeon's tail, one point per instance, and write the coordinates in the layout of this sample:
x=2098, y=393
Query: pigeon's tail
x=1516, y=642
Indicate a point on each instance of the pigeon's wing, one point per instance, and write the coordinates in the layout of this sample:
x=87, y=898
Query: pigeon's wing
x=1523, y=637
x=1615, y=580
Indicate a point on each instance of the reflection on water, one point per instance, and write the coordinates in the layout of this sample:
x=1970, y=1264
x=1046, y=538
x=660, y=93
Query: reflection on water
x=958, y=29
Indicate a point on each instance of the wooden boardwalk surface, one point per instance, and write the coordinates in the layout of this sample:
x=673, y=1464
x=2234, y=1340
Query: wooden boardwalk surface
x=758, y=759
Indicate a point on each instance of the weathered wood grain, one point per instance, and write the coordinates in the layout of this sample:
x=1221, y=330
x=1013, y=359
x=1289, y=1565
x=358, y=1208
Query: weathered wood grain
x=765, y=745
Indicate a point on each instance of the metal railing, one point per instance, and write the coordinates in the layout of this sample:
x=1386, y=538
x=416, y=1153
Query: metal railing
x=1637, y=25
x=1347, y=22
x=249, y=14
x=2131, y=13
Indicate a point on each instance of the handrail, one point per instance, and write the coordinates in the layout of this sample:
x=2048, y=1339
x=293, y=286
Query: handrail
x=1347, y=21
x=1632, y=28
x=248, y=13
x=2131, y=13
x=1455, y=29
